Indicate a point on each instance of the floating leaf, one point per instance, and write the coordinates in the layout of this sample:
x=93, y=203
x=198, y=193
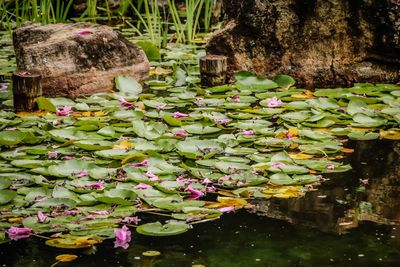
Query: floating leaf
x=128, y=86
x=74, y=242
x=151, y=253
x=11, y=138
x=158, y=229
x=66, y=257
x=7, y=196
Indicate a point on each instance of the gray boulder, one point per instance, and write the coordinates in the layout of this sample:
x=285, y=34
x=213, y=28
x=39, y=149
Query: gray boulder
x=77, y=59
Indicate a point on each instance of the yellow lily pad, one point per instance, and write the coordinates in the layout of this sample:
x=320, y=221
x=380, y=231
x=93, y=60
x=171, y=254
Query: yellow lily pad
x=66, y=257
x=74, y=242
x=390, y=134
x=125, y=144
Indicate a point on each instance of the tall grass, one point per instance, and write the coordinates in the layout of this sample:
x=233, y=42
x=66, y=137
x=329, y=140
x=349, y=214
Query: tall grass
x=154, y=18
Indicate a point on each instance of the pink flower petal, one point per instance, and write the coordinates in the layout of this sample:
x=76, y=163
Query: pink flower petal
x=16, y=233
x=194, y=193
x=142, y=186
x=122, y=237
x=41, y=217
x=274, y=102
x=227, y=209
x=178, y=115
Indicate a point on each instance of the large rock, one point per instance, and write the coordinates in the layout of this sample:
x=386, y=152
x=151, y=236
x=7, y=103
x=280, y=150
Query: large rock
x=77, y=59
x=319, y=42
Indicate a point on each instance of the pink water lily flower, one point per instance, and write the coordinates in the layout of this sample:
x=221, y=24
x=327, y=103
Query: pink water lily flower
x=182, y=179
x=181, y=133
x=227, y=209
x=235, y=98
x=178, y=115
x=364, y=181
x=248, y=132
x=144, y=163
x=99, y=212
x=71, y=212
x=142, y=186
x=84, y=32
x=82, y=174
x=124, y=103
x=278, y=165
x=274, y=102
x=122, y=237
x=16, y=233
x=161, y=106
x=65, y=111
x=41, y=217
x=330, y=167
x=222, y=121
x=52, y=154
x=131, y=220
x=211, y=189
x=194, y=193
x=152, y=176
x=207, y=181
x=97, y=186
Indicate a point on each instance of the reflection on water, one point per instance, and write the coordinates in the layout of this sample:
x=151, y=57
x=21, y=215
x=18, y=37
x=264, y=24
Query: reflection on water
x=343, y=204
x=370, y=192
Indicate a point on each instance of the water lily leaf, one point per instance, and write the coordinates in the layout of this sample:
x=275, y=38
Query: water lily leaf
x=247, y=81
x=117, y=196
x=55, y=202
x=390, y=134
x=74, y=242
x=315, y=135
x=66, y=257
x=296, y=117
x=151, y=253
x=284, y=81
x=363, y=136
x=108, y=131
x=323, y=103
x=358, y=106
x=116, y=153
x=194, y=148
x=71, y=168
x=158, y=229
x=5, y=183
x=7, y=196
x=172, y=121
x=284, y=191
x=128, y=86
x=93, y=144
x=11, y=138
x=362, y=120
x=231, y=167
x=331, y=93
x=198, y=128
x=29, y=163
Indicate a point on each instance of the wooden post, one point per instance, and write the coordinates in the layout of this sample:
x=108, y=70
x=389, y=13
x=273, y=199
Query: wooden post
x=26, y=88
x=213, y=70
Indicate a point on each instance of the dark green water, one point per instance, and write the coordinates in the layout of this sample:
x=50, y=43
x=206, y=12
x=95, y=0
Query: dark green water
x=294, y=232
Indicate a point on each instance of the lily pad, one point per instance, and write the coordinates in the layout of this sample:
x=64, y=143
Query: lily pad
x=158, y=229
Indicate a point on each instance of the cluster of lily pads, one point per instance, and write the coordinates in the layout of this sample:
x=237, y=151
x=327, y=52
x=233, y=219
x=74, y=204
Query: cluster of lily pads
x=86, y=170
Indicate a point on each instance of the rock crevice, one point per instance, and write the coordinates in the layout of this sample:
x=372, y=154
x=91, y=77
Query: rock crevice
x=319, y=42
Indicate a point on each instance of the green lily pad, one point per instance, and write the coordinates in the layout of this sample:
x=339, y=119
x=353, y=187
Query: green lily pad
x=158, y=229
x=7, y=196
x=11, y=138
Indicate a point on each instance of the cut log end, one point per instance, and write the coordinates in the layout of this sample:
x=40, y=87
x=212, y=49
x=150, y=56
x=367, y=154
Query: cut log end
x=26, y=88
x=213, y=70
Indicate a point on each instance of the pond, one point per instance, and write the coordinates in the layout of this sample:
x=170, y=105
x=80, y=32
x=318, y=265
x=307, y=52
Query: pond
x=256, y=239
x=300, y=193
